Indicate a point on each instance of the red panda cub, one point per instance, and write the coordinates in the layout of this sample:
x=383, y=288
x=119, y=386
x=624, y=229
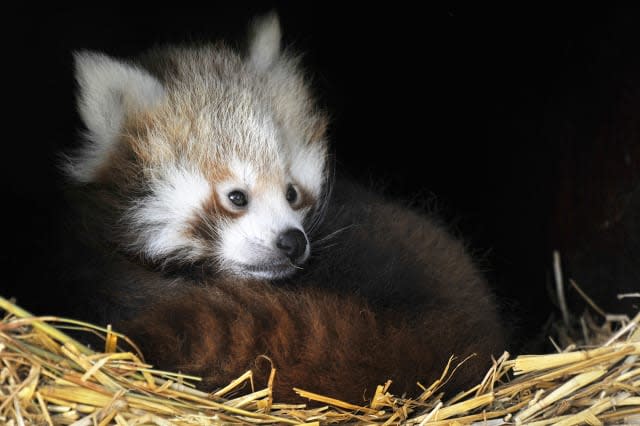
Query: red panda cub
x=208, y=231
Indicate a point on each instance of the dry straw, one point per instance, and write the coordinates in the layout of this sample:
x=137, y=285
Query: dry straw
x=48, y=378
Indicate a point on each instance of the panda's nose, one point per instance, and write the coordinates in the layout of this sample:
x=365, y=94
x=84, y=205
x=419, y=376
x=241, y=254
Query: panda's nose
x=293, y=243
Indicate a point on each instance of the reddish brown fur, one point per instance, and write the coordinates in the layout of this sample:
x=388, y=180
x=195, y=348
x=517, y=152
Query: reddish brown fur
x=317, y=340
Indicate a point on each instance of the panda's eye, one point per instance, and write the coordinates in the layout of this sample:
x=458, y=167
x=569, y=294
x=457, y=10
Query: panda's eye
x=238, y=198
x=292, y=194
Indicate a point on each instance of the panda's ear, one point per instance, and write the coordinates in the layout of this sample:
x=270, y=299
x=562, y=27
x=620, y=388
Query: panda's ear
x=264, y=41
x=108, y=90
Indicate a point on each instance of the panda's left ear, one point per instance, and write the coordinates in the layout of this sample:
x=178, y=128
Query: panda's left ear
x=109, y=90
x=264, y=41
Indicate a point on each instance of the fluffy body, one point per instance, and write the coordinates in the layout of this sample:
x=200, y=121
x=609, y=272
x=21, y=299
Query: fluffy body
x=374, y=291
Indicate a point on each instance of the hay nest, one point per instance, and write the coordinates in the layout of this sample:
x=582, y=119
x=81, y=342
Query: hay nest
x=48, y=378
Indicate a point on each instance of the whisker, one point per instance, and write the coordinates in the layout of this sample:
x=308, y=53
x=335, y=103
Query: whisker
x=334, y=233
x=323, y=248
x=295, y=266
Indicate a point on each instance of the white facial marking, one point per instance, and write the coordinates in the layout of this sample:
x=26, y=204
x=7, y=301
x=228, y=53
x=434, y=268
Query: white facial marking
x=248, y=244
x=162, y=219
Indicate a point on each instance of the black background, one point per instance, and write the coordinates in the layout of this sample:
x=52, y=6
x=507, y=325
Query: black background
x=483, y=113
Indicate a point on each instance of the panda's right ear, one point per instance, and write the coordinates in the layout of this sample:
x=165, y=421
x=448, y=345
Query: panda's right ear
x=264, y=41
x=108, y=90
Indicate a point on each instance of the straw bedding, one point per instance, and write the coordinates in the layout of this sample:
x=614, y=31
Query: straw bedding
x=48, y=378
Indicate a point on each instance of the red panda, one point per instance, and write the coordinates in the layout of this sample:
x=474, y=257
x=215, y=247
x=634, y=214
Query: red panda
x=209, y=231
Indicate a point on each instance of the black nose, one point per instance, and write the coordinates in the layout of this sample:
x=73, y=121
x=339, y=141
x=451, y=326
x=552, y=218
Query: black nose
x=293, y=243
